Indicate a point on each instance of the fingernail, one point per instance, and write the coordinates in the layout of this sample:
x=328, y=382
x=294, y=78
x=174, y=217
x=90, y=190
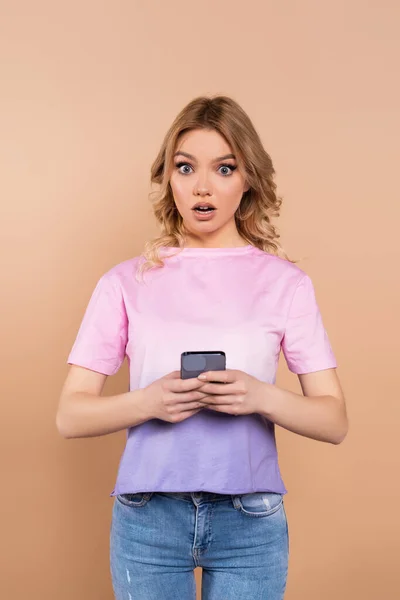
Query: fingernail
x=202, y=376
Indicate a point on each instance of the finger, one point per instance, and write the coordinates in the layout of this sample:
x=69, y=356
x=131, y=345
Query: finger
x=177, y=398
x=173, y=375
x=189, y=406
x=183, y=415
x=218, y=389
x=219, y=400
x=227, y=376
x=228, y=409
x=184, y=385
x=191, y=396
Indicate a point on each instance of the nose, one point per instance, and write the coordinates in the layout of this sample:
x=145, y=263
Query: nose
x=202, y=187
x=201, y=191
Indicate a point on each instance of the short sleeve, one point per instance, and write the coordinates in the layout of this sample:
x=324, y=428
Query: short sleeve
x=102, y=337
x=305, y=343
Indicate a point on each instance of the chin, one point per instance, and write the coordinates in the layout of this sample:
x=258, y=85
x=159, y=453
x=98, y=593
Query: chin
x=204, y=227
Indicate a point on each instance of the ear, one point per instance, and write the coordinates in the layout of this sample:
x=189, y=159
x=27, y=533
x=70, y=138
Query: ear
x=246, y=187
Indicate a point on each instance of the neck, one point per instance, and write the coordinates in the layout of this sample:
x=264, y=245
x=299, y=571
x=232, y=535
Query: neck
x=232, y=240
x=235, y=244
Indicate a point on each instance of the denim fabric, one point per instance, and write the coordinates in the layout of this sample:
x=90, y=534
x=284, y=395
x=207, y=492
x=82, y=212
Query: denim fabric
x=241, y=542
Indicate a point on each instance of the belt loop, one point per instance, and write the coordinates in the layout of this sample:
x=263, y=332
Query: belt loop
x=235, y=501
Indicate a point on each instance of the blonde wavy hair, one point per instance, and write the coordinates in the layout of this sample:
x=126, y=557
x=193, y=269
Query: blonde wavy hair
x=258, y=205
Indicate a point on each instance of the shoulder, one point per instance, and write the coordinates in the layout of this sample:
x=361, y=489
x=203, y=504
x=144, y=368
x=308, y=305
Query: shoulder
x=122, y=273
x=279, y=268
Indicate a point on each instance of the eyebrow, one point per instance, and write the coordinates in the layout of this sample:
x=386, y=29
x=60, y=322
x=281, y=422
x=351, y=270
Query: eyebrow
x=215, y=160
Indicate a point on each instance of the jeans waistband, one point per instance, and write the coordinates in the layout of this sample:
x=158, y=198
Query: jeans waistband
x=197, y=496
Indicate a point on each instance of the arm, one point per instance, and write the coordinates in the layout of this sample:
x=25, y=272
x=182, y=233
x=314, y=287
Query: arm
x=82, y=412
x=98, y=351
x=319, y=414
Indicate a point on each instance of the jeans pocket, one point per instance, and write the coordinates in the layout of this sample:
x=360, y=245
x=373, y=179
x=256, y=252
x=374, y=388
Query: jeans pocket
x=258, y=504
x=134, y=500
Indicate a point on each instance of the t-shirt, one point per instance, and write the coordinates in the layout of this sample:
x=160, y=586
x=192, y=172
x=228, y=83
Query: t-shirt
x=243, y=301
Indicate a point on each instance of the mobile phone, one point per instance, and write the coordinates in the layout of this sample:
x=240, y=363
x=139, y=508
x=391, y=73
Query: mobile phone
x=194, y=363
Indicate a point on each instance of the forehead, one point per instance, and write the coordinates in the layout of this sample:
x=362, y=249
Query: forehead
x=203, y=144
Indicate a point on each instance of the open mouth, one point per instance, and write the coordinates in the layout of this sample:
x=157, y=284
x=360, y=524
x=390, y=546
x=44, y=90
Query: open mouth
x=204, y=208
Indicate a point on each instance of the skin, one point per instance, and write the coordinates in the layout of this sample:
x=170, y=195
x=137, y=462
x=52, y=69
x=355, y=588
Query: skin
x=204, y=178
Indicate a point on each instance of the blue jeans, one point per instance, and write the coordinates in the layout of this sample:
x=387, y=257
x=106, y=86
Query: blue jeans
x=241, y=543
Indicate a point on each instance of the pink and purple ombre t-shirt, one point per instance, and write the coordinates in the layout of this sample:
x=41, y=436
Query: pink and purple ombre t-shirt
x=244, y=301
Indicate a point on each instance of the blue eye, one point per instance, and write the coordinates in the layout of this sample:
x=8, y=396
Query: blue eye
x=182, y=164
x=230, y=167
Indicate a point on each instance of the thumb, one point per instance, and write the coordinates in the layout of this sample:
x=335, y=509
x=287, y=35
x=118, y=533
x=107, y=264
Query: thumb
x=173, y=375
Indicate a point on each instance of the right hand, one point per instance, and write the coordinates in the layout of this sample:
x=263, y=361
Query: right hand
x=174, y=399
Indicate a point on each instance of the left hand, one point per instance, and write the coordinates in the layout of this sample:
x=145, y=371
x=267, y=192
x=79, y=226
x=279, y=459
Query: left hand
x=239, y=394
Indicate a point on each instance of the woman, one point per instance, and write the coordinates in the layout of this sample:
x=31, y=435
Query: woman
x=199, y=482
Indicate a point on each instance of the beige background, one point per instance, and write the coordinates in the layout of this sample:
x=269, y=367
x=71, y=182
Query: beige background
x=88, y=91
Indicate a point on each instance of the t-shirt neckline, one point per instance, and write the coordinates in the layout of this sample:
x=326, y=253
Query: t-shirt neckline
x=189, y=251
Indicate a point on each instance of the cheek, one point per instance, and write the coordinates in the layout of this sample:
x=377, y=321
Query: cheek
x=230, y=193
x=179, y=189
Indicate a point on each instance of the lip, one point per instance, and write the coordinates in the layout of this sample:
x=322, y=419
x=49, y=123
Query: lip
x=204, y=216
x=203, y=204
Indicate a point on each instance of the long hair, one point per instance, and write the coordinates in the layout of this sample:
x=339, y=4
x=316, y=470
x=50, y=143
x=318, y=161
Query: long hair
x=258, y=205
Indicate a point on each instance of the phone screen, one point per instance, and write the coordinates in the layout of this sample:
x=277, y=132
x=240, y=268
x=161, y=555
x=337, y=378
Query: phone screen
x=194, y=363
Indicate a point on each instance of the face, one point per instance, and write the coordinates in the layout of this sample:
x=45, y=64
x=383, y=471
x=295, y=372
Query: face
x=207, y=183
